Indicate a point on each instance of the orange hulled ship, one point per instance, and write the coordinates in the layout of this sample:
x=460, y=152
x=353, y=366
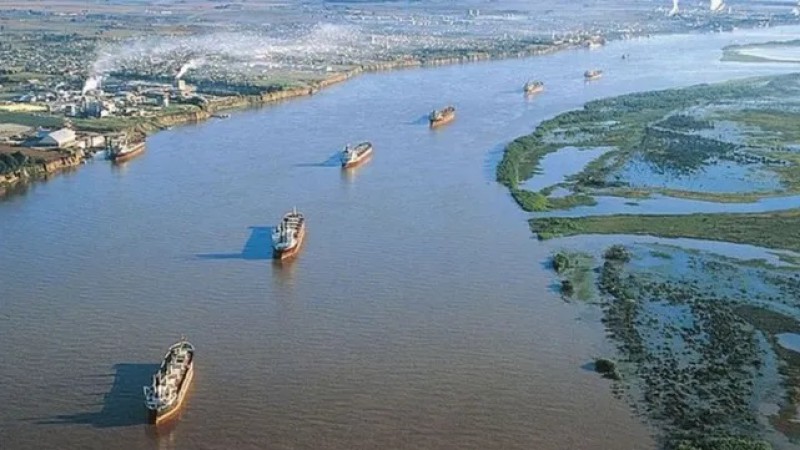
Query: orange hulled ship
x=442, y=116
x=287, y=238
x=353, y=156
x=167, y=392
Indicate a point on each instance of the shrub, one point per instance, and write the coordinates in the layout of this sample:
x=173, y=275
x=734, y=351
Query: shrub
x=617, y=253
x=607, y=367
x=560, y=262
x=567, y=288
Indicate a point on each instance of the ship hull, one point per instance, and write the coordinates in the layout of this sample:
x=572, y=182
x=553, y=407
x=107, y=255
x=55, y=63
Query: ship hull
x=535, y=90
x=593, y=76
x=358, y=160
x=291, y=251
x=443, y=121
x=137, y=150
x=159, y=417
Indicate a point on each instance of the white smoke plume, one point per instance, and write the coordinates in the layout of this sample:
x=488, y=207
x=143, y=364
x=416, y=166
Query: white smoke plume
x=192, y=64
x=92, y=83
x=717, y=5
x=674, y=9
x=331, y=44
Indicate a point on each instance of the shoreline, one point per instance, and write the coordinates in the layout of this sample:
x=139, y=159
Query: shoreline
x=11, y=183
x=242, y=102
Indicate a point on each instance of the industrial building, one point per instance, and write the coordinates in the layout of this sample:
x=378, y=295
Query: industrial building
x=60, y=138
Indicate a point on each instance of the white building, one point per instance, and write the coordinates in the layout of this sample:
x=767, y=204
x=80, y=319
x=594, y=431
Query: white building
x=95, y=141
x=59, y=138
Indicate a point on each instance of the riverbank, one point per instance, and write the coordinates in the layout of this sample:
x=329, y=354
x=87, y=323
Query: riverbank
x=141, y=127
x=310, y=88
x=24, y=165
x=767, y=52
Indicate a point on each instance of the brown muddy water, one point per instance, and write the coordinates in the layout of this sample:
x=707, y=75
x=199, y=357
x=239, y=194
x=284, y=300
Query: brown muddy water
x=420, y=313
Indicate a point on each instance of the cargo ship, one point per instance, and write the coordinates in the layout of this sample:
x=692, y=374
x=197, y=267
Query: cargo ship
x=443, y=116
x=164, y=397
x=288, y=235
x=353, y=156
x=123, y=151
x=533, y=87
x=592, y=74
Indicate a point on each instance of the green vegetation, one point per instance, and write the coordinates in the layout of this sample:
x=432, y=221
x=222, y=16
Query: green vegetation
x=575, y=271
x=662, y=128
x=685, y=122
x=773, y=324
x=659, y=254
x=628, y=116
x=693, y=359
x=12, y=162
x=118, y=124
x=721, y=443
x=567, y=288
x=617, y=253
x=108, y=124
x=20, y=77
x=561, y=262
x=777, y=230
x=608, y=368
x=784, y=122
x=536, y=201
x=521, y=158
x=31, y=119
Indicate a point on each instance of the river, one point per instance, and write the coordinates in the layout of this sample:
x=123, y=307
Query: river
x=420, y=313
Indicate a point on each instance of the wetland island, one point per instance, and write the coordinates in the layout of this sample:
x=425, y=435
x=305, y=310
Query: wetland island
x=704, y=341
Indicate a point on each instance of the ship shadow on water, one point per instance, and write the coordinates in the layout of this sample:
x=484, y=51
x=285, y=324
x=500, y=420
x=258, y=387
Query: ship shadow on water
x=123, y=405
x=258, y=247
x=333, y=161
x=421, y=120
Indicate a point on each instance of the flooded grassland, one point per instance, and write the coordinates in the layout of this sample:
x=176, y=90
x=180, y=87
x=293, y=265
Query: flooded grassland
x=706, y=337
x=728, y=142
x=706, y=342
